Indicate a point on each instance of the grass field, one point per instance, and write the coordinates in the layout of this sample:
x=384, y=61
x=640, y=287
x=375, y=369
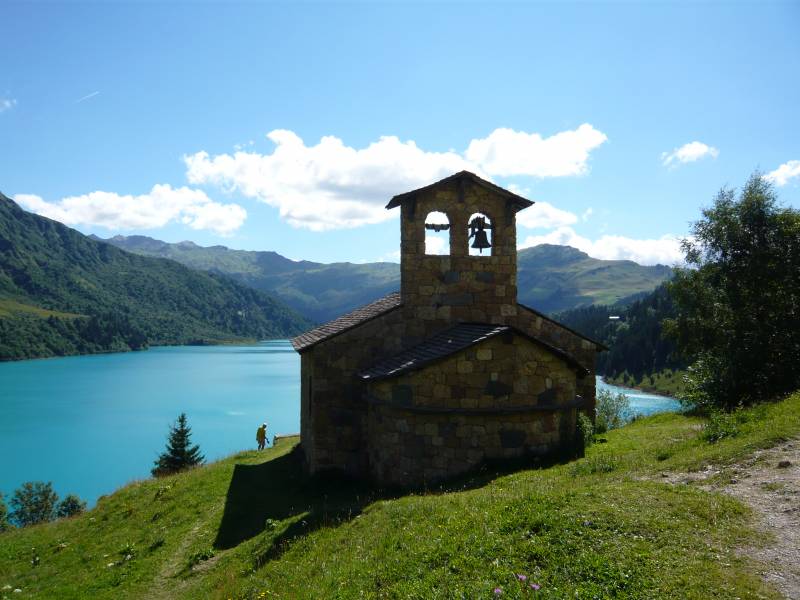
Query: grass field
x=10, y=307
x=252, y=526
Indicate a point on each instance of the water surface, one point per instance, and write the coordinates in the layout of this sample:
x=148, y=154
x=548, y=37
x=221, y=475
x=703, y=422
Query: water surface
x=642, y=402
x=92, y=423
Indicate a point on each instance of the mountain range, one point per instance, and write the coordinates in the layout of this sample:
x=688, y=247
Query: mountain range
x=64, y=293
x=551, y=278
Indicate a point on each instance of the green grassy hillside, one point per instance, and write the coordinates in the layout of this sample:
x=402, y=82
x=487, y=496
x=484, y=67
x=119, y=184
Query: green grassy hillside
x=63, y=293
x=551, y=278
x=251, y=526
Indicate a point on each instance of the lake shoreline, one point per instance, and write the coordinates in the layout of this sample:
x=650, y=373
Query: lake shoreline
x=646, y=390
x=194, y=344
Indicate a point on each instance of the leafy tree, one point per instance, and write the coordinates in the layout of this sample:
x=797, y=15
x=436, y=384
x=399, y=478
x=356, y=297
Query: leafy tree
x=70, y=506
x=180, y=454
x=738, y=303
x=35, y=502
x=4, y=524
x=612, y=411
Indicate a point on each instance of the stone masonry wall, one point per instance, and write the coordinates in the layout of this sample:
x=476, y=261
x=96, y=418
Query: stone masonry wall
x=495, y=400
x=332, y=413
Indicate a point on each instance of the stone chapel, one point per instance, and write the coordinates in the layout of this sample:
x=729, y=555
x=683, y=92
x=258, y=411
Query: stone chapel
x=451, y=371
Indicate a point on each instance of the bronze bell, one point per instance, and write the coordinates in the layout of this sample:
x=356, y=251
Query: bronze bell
x=481, y=240
x=478, y=227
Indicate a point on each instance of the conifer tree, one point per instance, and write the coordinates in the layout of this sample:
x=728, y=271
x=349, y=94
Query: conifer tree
x=179, y=454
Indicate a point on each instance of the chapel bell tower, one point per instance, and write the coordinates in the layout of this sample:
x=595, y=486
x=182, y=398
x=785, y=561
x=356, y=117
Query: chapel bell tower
x=470, y=273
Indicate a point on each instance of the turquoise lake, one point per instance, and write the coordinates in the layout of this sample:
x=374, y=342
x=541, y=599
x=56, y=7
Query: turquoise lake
x=90, y=424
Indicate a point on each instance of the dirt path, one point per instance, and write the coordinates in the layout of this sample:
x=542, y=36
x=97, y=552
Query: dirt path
x=769, y=482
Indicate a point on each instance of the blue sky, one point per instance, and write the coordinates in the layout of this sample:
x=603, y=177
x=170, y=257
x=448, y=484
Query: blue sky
x=620, y=120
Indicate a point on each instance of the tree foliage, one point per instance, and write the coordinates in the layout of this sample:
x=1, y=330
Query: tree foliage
x=179, y=454
x=738, y=302
x=612, y=411
x=4, y=524
x=70, y=506
x=35, y=502
x=635, y=342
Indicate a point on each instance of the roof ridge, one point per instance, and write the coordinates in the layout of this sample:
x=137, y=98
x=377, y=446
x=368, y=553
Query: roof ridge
x=347, y=321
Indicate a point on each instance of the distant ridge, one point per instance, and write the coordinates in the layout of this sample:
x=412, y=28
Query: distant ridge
x=551, y=278
x=64, y=293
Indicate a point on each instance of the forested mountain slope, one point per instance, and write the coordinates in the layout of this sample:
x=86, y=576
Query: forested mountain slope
x=63, y=293
x=551, y=278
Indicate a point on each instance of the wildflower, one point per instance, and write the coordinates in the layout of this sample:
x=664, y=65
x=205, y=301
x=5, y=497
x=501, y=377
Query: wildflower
x=497, y=591
x=535, y=587
x=522, y=577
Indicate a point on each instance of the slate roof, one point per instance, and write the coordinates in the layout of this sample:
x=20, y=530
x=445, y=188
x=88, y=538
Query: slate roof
x=518, y=201
x=599, y=345
x=360, y=315
x=447, y=343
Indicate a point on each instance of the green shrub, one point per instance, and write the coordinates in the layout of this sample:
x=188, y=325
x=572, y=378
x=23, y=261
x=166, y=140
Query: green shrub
x=70, y=506
x=4, y=524
x=35, y=502
x=612, y=411
x=599, y=463
x=200, y=556
x=585, y=432
x=722, y=424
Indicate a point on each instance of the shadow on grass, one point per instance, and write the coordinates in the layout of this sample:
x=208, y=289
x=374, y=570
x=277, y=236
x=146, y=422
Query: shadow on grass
x=277, y=490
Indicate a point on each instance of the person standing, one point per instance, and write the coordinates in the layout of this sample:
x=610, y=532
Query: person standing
x=261, y=436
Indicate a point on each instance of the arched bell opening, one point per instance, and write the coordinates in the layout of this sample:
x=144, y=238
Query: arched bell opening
x=437, y=233
x=479, y=235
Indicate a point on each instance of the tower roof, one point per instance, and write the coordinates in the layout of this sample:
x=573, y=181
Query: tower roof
x=462, y=177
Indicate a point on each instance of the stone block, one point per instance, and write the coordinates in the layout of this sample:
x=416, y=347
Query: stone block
x=500, y=291
x=484, y=354
x=464, y=366
x=508, y=310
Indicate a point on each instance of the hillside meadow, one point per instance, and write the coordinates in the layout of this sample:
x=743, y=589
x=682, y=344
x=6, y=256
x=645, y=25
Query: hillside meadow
x=611, y=524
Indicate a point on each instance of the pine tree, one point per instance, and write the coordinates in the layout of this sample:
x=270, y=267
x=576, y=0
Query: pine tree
x=180, y=454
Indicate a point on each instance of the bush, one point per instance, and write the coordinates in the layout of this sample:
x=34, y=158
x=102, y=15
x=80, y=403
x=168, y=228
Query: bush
x=35, y=502
x=585, y=432
x=720, y=425
x=70, y=506
x=612, y=411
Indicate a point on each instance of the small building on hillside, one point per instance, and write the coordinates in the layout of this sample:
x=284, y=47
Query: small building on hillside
x=451, y=371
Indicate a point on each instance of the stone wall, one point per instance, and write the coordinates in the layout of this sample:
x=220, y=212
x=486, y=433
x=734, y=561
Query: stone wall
x=332, y=413
x=458, y=287
x=505, y=397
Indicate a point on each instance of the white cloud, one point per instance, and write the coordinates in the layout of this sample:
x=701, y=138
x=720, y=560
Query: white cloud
x=162, y=205
x=7, y=104
x=687, y=153
x=546, y=216
x=586, y=214
x=782, y=175
x=507, y=152
x=664, y=250
x=330, y=185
